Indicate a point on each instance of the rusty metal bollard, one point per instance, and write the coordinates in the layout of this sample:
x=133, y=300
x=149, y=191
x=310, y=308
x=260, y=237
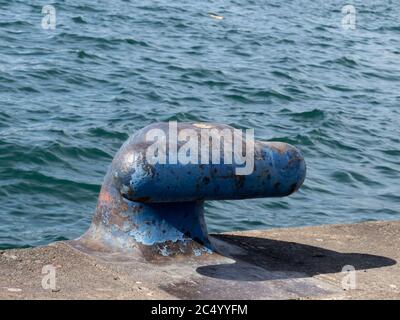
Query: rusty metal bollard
x=157, y=209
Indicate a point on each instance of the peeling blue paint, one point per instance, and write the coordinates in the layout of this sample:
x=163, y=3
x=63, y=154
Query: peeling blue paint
x=158, y=223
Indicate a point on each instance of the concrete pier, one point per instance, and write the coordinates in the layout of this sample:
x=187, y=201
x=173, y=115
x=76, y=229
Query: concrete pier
x=296, y=263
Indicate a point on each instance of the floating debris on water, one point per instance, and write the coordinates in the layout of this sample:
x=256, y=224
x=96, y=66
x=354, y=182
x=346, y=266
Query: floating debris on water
x=215, y=16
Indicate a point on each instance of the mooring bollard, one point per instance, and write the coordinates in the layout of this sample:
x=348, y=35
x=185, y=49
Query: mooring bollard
x=152, y=200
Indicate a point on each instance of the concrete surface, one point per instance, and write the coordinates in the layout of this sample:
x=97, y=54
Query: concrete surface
x=297, y=263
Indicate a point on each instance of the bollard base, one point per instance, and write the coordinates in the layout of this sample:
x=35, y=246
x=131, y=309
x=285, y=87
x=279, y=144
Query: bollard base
x=151, y=231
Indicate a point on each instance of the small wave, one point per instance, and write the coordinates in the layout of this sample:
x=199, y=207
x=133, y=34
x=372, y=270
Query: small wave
x=238, y=98
x=343, y=61
x=99, y=132
x=83, y=55
x=19, y=23
x=388, y=28
x=282, y=74
x=297, y=140
x=275, y=205
x=119, y=100
x=28, y=89
x=273, y=94
x=286, y=41
x=88, y=8
x=364, y=179
x=395, y=198
x=78, y=152
x=184, y=116
x=352, y=177
x=45, y=74
x=100, y=41
x=338, y=87
x=381, y=75
x=79, y=20
x=36, y=182
x=137, y=42
x=342, y=177
x=216, y=83
x=199, y=73
x=392, y=152
x=314, y=114
x=386, y=170
x=4, y=116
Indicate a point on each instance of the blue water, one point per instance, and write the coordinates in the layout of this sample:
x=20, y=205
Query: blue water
x=69, y=98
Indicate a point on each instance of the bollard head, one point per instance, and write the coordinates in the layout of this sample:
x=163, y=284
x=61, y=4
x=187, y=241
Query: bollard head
x=267, y=169
x=151, y=201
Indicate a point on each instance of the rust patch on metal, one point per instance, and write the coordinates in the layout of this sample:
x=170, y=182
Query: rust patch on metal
x=105, y=197
x=280, y=147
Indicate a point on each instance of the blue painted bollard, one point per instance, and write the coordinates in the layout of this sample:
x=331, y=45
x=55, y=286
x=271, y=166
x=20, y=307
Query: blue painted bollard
x=152, y=198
